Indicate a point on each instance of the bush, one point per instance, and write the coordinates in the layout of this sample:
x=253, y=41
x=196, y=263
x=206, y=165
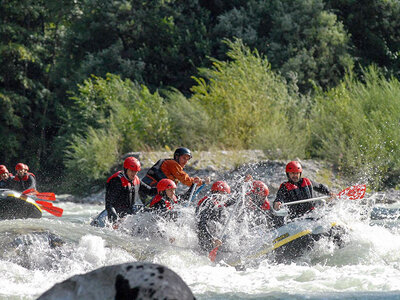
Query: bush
x=249, y=106
x=89, y=158
x=355, y=126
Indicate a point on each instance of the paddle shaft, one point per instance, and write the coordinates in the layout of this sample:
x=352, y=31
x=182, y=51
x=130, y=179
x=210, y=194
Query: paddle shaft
x=306, y=200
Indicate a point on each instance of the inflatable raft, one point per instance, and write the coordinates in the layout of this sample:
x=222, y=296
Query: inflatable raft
x=13, y=205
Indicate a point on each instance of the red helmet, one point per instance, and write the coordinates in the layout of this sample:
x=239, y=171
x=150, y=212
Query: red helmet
x=132, y=163
x=294, y=167
x=260, y=188
x=3, y=169
x=221, y=186
x=165, y=184
x=20, y=166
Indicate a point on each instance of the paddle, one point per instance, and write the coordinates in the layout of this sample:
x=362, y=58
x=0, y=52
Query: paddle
x=43, y=196
x=193, y=194
x=354, y=192
x=47, y=206
x=213, y=253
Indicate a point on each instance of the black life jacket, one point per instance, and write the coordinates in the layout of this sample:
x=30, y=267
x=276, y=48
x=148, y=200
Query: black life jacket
x=303, y=190
x=130, y=194
x=154, y=174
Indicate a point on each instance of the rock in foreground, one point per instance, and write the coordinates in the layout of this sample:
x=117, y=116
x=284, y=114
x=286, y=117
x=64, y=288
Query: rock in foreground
x=125, y=281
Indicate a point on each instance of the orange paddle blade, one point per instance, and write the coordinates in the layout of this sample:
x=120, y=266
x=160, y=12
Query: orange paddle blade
x=213, y=254
x=354, y=192
x=47, y=206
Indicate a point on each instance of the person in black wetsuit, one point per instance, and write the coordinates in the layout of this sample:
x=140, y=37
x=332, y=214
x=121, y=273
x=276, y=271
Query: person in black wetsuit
x=23, y=180
x=298, y=188
x=122, y=190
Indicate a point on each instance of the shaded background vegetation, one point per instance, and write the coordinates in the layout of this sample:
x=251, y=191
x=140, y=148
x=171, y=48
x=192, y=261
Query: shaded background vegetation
x=84, y=81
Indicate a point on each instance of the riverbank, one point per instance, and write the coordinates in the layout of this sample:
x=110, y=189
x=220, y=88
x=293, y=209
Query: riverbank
x=232, y=166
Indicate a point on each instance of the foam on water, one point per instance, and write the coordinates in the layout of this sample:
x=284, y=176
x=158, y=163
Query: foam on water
x=367, y=267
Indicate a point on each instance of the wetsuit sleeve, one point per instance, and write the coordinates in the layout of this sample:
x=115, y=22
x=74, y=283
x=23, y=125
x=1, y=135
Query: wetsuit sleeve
x=31, y=182
x=320, y=188
x=174, y=171
x=113, y=190
x=281, y=195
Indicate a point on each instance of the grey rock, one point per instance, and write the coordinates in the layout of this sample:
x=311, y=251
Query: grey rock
x=136, y=280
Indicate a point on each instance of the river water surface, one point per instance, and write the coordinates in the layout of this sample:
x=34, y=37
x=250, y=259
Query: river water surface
x=35, y=254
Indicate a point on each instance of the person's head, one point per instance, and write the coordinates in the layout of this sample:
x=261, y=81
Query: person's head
x=220, y=187
x=131, y=167
x=166, y=187
x=4, y=174
x=259, y=192
x=21, y=169
x=293, y=171
x=182, y=156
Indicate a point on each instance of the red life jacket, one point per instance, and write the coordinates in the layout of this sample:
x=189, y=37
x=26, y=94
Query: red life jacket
x=130, y=193
x=301, y=192
x=25, y=178
x=159, y=199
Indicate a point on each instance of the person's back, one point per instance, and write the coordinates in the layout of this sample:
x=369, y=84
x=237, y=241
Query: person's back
x=210, y=211
x=23, y=180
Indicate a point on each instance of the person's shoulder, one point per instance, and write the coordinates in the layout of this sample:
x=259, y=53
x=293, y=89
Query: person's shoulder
x=170, y=162
x=283, y=185
x=115, y=177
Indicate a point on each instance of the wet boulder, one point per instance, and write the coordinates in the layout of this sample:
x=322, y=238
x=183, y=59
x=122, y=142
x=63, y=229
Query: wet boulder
x=137, y=280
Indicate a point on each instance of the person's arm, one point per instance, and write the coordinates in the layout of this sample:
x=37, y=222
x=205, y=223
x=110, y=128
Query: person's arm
x=174, y=171
x=320, y=188
x=113, y=191
x=31, y=182
x=280, y=198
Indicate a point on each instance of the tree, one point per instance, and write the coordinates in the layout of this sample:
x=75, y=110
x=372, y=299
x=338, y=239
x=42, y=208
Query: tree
x=374, y=27
x=301, y=39
x=157, y=43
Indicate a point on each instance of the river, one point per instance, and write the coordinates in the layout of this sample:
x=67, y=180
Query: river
x=35, y=254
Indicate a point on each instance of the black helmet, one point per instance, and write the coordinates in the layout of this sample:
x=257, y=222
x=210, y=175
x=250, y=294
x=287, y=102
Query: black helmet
x=181, y=151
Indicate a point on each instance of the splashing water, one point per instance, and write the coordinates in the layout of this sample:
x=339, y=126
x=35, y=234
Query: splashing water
x=36, y=254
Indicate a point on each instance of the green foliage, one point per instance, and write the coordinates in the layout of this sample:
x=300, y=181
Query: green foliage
x=355, y=126
x=190, y=124
x=248, y=104
x=158, y=43
x=239, y=100
x=137, y=118
x=89, y=158
x=301, y=39
x=374, y=28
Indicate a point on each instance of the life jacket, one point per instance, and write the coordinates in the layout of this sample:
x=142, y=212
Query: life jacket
x=207, y=202
x=154, y=174
x=305, y=191
x=28, y=181
x=25, y=178
x=135, y=184
x=301, y=192
x=159, y=198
